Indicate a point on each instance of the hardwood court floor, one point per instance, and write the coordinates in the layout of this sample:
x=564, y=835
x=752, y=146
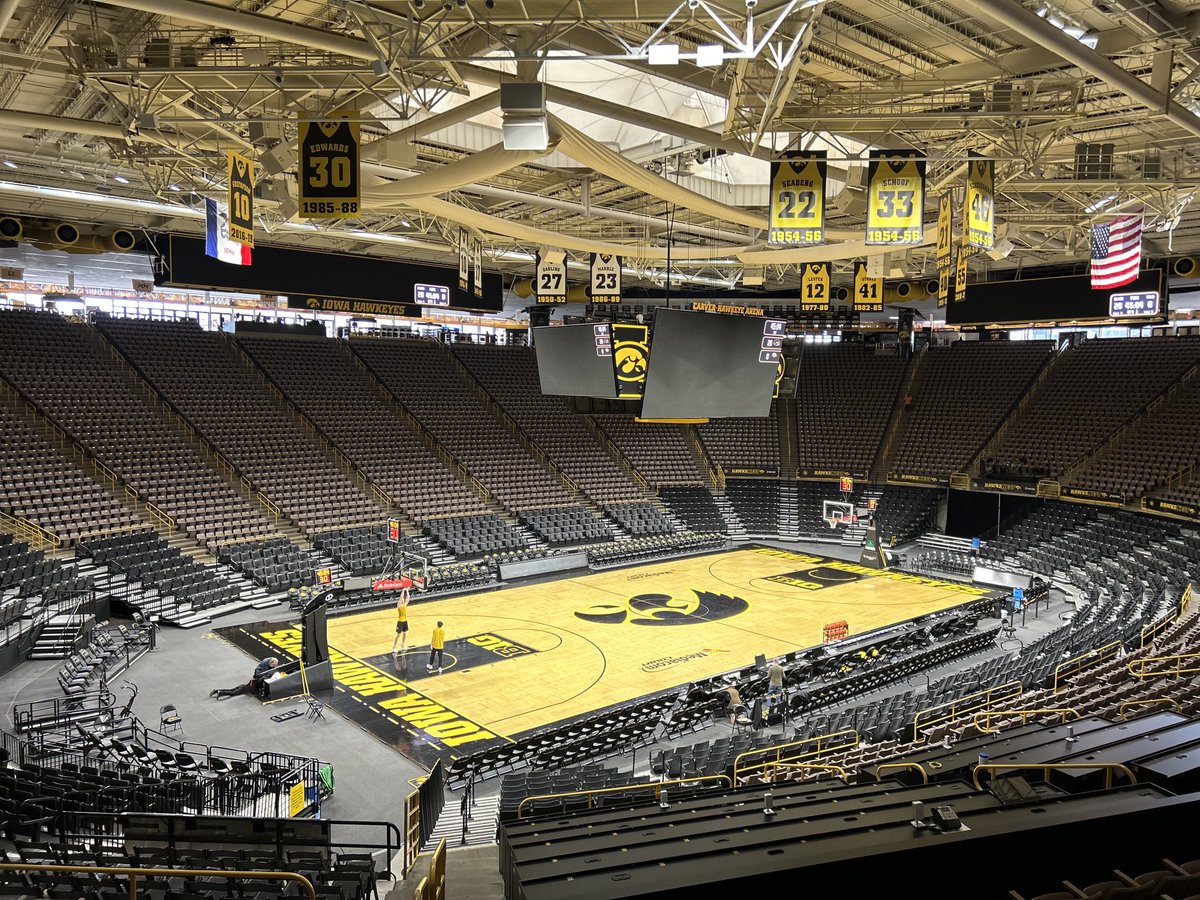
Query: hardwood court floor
x=521, y=658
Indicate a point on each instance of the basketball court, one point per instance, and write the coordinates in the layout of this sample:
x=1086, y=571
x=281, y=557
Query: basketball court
x=519, y=659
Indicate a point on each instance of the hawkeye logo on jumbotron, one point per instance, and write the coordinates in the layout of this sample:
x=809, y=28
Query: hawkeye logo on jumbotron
x=663, y=609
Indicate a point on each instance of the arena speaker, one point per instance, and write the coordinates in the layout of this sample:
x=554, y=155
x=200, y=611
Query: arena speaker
x=11, y=229
x=839, y=294
x=1185, y=267
x=122, y=240
x=53, y=235
x=909, y=290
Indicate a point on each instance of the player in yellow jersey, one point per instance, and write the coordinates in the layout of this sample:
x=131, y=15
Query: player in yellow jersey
x=435, y=648
x=402, y=617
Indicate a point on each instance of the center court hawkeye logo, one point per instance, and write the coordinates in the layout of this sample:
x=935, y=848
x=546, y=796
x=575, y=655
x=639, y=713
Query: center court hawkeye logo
x=670, y=662
x=663, y=609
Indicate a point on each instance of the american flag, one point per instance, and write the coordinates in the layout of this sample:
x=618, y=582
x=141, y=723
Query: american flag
x=1116, y=251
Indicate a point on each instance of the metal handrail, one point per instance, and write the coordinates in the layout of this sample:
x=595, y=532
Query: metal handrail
x=988, y=714
x=902, y=766
x=818, y=767
x=132, y=872
x=1086, y=661
x=621, y=789
x=1130, y=703
x=1108, y=767
x=986, y=697
x=738, y=769
x=1137, y=667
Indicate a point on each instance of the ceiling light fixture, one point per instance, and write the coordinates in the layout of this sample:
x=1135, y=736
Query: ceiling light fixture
x=663, y=55
x=120, y=179
x=10, y=163
x=709, y=55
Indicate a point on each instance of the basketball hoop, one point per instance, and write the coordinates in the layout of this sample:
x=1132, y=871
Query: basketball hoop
x=837, y=512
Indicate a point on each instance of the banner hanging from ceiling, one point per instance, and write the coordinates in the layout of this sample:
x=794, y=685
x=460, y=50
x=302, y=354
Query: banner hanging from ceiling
x=979, y=204
x=240, y=173
x=605, y=282
x=814, y=286
x=945, y=246
x=797, y=213
x=895, y=198
x=868, y=291
x=328, y=168
x=550, y=277
x=477, y=267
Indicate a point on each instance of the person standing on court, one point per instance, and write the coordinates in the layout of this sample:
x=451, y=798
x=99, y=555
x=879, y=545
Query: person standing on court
x=435, y=648
x=402, y=620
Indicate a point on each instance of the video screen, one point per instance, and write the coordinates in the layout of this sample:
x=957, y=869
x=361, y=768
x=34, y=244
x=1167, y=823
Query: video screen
x=711, y=365
x=576, y=360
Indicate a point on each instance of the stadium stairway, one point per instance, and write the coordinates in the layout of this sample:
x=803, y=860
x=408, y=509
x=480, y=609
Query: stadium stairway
x=481, y=825
x=733, y=524
x=877, y=474
x=786, y=421
x=61, y=635
x=789, y=511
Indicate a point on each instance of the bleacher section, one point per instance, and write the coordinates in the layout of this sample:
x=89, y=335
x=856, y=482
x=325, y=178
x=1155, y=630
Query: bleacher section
x=903, y=513
x=566, y=526
x=961, y=395
x=322, y=379
x=1094, y=390
x=172, y=584
x=470, y=536
x=421, y=375
x=50, y=359
x=845, y=394
x=1164, y=443
x=206, y=379
x=276, y=564
x=756, y=503
x=743, y=443
x=640, y=518
x=659, y=451
x=509, y=374
x=695, y=507
x=39, y=482
x=643, y=549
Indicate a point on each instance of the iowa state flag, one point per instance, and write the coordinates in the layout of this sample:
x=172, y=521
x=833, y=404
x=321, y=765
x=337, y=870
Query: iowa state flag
x=216, y=236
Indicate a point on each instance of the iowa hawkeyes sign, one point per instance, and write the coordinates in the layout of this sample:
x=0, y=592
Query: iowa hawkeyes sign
x=663, y=609
x=631, y=351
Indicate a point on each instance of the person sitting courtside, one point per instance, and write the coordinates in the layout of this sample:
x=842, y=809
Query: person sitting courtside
x=254, y=685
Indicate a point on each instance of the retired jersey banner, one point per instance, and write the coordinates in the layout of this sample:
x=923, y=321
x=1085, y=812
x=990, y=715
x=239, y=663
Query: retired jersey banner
x=960, y=275
x=797, y=217
x=945, y=246
x=868, y=291
x=464, y=262
x=895, y=198
x=328, y=176
x=550, y=279
x=979, y=221
x=631, y=353
x=604, y=286
x=241, y=199
x=477, y=268
x=814, y=285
